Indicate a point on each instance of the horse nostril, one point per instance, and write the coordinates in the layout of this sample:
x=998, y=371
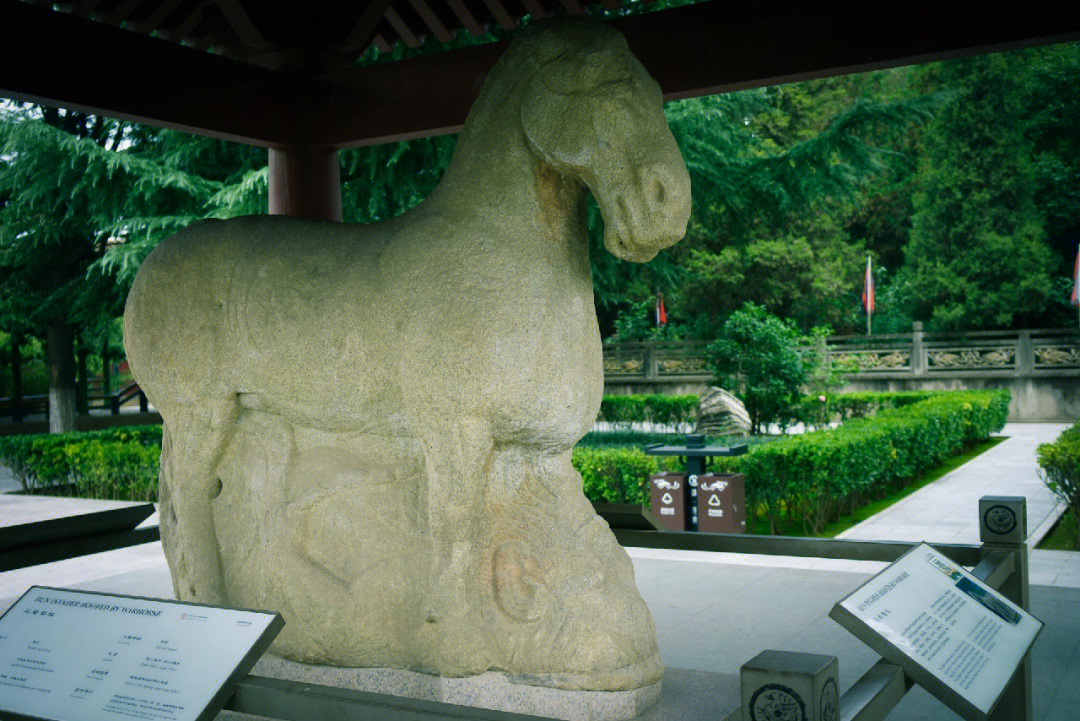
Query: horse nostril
x=658, y=191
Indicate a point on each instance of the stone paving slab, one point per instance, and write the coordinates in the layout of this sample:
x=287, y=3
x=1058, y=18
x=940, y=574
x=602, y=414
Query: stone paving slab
x=946, y=510
x=713, y=613
x=16, y=509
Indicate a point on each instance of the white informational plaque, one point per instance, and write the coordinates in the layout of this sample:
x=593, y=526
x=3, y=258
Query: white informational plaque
x=950, y=632
x=72, y=655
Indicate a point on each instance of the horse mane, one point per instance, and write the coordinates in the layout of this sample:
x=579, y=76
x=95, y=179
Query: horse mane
x=569, y=56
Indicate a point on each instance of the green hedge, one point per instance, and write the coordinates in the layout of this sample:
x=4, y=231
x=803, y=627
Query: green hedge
x=657, y=408
x=117, y=463
x=811, y=411
x=813, y=476
x=816, y=476
x=1060, y=463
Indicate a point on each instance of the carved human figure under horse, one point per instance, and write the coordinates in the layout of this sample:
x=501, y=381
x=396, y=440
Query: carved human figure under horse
x=369, y=427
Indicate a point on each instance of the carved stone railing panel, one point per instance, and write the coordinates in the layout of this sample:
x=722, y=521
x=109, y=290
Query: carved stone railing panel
x=873, y=360
x=1057, y=356
x=916, y=354
x=626, y=359
x=681, y=359
x=959, y=358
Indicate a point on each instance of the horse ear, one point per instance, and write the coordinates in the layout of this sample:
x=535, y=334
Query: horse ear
x=557, y=114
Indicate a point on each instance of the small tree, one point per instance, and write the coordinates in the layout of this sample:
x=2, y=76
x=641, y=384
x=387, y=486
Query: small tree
x=756, y=358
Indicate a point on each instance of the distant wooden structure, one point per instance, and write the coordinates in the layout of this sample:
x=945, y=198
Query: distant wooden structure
x=282, y=75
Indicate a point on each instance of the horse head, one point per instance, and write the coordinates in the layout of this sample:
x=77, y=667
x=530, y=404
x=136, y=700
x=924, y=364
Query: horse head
x=591, y=111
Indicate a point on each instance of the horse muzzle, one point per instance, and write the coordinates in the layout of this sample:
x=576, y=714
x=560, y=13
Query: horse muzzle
x=652, y=216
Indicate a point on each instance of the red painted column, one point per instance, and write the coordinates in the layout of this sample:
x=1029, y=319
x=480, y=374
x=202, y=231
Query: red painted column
x=305, y=182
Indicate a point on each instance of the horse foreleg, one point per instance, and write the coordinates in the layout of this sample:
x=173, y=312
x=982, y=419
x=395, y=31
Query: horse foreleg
x=192, y=444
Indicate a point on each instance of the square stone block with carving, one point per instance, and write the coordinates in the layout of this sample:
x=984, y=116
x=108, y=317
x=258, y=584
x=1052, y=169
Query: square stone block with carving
x=1003, y=519
x=790, y=686
x=368, y=427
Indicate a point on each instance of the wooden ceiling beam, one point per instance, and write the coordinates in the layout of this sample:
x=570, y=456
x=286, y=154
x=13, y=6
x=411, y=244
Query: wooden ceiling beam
x=691, y=51
x=94, y=68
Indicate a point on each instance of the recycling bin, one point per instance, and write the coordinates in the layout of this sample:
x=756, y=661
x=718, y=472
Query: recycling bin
x=721, y=503
x=668, y=500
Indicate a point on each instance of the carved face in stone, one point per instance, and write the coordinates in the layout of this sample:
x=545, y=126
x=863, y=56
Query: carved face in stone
x=592, y=111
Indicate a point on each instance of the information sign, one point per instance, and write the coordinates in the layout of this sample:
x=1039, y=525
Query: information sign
x=950, y=632
x=67, y=655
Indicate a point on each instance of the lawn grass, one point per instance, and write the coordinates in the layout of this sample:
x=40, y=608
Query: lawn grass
x=845, y=522
x=1061, y=536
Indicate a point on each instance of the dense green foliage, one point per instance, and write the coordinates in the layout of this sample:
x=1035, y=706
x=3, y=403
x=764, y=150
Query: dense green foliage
x=756, y=358
x=622, y=411
x=888, y=440
x=815, y=476
x=1060, y=463
x=116, y=464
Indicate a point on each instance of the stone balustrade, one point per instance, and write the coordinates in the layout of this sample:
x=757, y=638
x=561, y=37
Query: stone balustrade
x=1040, y=366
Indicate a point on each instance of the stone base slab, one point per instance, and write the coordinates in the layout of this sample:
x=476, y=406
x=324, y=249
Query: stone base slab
x=491, y=690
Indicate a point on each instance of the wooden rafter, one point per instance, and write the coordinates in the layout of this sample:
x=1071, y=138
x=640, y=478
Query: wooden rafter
x=572, y=7
x=241, y=24
x=157, y=16
x=431, y=20
x=184, y=28
x=122, y=11
x=467, y=19
x=535, y=9
x=363, y=32
x=501, y=16
x=401, y=28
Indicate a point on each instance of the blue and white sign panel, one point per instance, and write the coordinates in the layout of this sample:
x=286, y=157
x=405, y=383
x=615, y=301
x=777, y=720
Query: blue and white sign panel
x=67, y=655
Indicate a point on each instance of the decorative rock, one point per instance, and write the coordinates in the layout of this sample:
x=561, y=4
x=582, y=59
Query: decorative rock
x=720, y=413
x=368, y=428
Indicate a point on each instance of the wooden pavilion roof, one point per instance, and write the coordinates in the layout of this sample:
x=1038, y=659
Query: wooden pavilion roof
x=284, y=74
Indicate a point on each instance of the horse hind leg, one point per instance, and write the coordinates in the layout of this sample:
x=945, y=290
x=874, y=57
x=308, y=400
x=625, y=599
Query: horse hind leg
x=193, y=441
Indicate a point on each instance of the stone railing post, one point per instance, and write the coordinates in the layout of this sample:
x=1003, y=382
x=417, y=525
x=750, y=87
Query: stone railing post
x=1025, y=353
x=1003, y=527
x=806, y=684
x=918, y=350
x=652, y=367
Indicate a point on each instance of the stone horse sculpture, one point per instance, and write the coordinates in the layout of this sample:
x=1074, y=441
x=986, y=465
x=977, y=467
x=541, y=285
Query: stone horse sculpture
x=368, y=427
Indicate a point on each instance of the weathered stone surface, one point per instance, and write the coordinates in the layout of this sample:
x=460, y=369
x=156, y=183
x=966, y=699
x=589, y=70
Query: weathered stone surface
x=368, y=428
x=720, y=413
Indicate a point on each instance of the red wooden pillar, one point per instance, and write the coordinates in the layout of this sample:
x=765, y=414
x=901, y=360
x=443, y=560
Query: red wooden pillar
x=305, y=182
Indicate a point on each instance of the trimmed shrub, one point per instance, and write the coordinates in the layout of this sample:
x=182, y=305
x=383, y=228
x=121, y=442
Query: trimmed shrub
x=1060, y=462
x=42, y=460
x=658, y=408
x=817, y=476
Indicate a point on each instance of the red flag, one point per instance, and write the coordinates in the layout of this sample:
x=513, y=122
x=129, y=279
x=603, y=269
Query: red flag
x=1074, y=299
x=661, y=314
x=868, y=288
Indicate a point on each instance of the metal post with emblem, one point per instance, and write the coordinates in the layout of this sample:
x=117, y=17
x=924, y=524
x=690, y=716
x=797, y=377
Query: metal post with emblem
x=696, y=454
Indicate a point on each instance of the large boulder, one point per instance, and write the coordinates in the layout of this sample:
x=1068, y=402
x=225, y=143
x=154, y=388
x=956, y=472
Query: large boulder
x=722, y=414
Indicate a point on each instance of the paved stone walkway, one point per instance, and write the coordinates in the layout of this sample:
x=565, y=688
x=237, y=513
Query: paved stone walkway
x=946, y=511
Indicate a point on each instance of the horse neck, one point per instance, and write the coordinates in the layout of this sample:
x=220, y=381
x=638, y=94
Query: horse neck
x=497, y=177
